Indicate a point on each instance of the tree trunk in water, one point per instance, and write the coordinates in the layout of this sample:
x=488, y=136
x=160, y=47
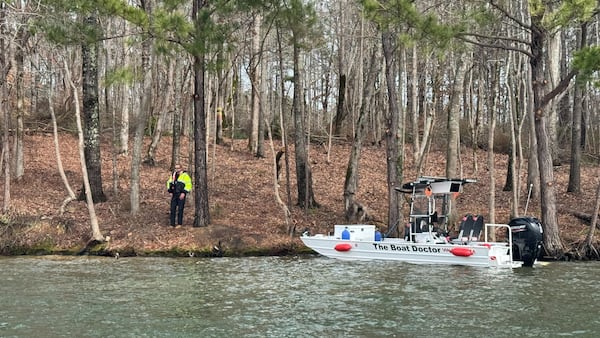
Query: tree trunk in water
x=91, y=117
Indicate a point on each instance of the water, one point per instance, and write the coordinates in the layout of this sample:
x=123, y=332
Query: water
x=291, y=297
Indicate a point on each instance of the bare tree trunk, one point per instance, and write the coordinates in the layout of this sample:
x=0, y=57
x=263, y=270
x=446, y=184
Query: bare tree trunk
x=91, y=110
x=254, y=82
x=141, y=117
x=413, y=103
x=282, y=205
x=284, y=123
x=124, y=106
x=512, y=175
x=476, y=123
x=351, y=182
x=157, y=133
x=96, y=234
x=260, y=142
x=454, y=109
x=341, y=112
x=70, y=193
x=5, y=56
x=394, y=127
x=493, y=96
x=177, y=123
x=306, y=196
x=202, y=215
x=552, y=63
x=552, y=241
x=18, y=159
x=110, y=99
x=5, y=158
x=588, y=243
x=425, y=141
x=533, y=170
x=201, y=210
x=578, y=96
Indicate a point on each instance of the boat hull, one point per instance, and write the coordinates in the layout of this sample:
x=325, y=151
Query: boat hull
x=394, y=249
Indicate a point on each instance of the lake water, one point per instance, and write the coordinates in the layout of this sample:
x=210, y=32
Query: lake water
x=291, y=297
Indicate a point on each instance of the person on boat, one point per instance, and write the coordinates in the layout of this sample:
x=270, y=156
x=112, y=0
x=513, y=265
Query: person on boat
x=179, y=185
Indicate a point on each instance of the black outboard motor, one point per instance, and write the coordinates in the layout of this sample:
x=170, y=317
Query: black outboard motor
x=527, y=239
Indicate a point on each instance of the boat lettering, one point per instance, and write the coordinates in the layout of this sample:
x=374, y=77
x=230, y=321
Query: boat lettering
x=405, y=248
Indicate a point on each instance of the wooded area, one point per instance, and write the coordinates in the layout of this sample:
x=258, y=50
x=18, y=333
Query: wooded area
x=516, y=77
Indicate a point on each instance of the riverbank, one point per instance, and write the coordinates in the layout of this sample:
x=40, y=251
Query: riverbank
x=245, y=217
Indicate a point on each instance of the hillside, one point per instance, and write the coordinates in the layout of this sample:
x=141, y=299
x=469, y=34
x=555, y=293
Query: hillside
x=245, y=216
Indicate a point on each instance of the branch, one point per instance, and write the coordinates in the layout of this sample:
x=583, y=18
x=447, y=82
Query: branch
x=497, y=37
x=489, y=45
x=562, y=85
x=508, y=15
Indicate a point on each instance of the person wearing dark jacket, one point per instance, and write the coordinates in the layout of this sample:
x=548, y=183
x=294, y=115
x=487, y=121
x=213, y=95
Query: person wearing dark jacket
x=179, y=185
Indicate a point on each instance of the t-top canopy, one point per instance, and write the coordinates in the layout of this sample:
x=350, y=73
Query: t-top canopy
x=438, y=185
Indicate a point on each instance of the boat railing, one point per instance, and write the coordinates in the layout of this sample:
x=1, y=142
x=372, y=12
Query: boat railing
x=496, y=225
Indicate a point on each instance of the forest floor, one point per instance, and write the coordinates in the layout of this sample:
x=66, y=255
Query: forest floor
x=245, y=217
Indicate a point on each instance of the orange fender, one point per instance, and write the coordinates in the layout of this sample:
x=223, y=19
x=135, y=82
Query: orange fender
x=463, y=252
x=343, y=247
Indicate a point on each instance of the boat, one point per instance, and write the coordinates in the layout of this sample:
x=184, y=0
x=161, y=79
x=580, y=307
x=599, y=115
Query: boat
x=426, y=238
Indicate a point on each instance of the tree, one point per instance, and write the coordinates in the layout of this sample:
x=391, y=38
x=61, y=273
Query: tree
x=76, y=23
x=202, y=214
x=575, y=168
x=18, y=60
x=91, y=109
x=96, y=234
x=4, y=70
x=300, y=20
x=255, y=83
x=351, y=206
x=394, y=130
x=141, y=115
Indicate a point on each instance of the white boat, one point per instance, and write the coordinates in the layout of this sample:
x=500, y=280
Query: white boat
x=425, y=237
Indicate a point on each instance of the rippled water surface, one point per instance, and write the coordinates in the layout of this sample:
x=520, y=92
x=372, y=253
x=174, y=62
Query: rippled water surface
x=291, y=297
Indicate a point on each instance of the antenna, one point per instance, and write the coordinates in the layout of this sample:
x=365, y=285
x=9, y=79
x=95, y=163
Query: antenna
x=528, y=197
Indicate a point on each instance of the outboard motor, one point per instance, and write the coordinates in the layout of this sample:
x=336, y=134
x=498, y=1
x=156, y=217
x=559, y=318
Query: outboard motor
x=527, y=239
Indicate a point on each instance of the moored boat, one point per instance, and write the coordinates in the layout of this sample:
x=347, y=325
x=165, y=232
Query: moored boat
x=426, y=239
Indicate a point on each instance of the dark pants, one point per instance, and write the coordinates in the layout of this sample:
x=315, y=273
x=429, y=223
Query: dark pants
x=177, y=206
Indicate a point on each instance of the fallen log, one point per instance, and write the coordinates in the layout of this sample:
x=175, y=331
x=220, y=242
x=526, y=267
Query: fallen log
x=585, y=217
